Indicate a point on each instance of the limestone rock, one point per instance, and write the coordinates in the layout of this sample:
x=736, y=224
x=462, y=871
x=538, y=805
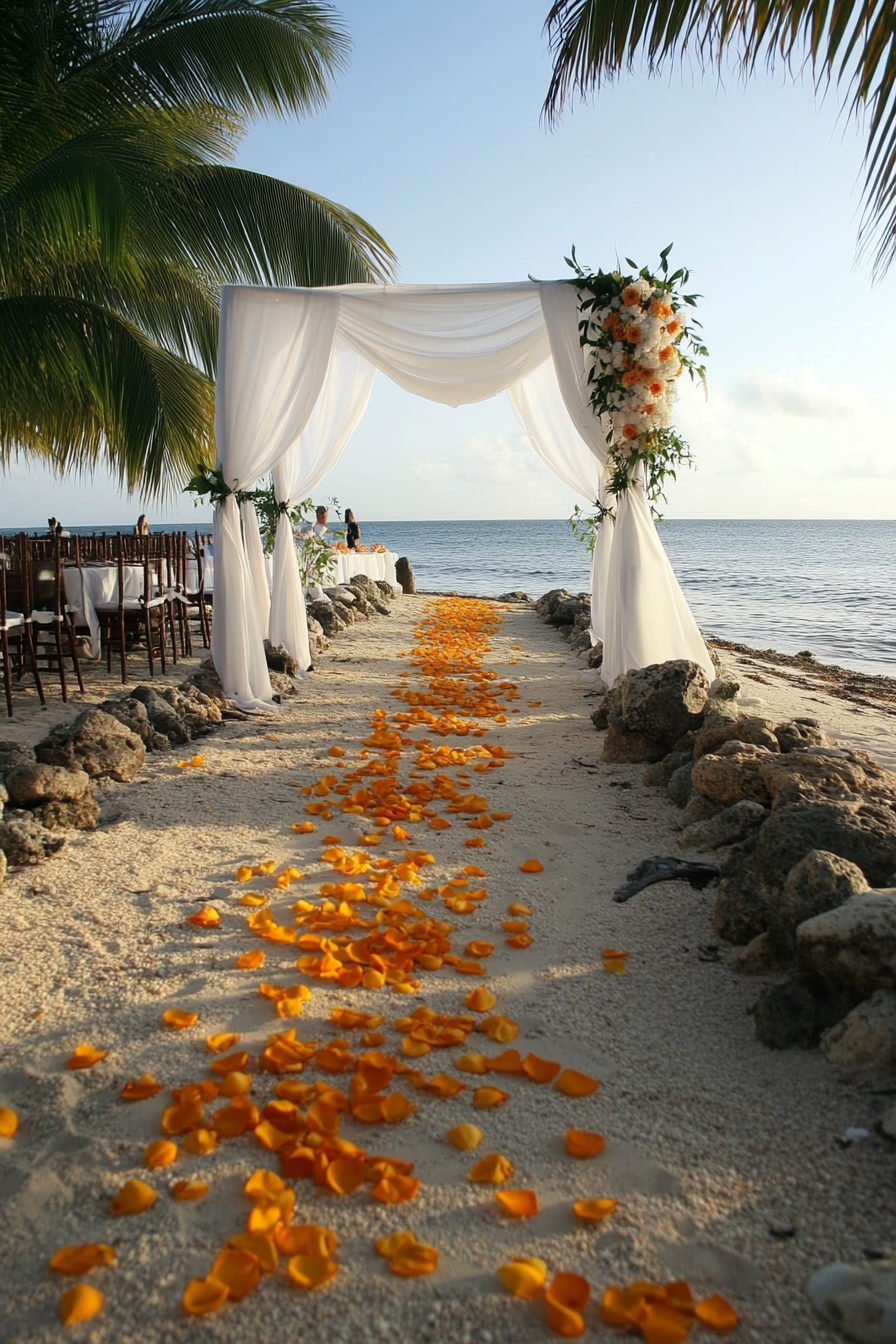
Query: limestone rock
x=162, y=715
x=284, y=686
x=659, y=774
x=621, y=747
x=860, y=1300
x=580, y=641
x=361, y=606
x=330, y=620
x=387, y=592
x=756, y=731
x=596, y=656
x=662, y=701
x=570, y=610
x=31, y=785
x=200, y=714
x=732, y=774
x=345, y=610
x=741, y=906
x=132, y=713
x=515, y=596
x=96, y=743
x=24, y=841
x=13, y=754
x=810, y=774
x=852, y=949
x=316, y=637
x=800, y=733
x=548, y=602
x=725, y=828
x=2, y=867
x=280, y=659
x=680, y=786
x=865, y=833
x=599, y=713
x=757, y=958
x=339, y=593
x=404, y=575
x=866, y=1037
x=724, y=687
x=699, y=808
x=819, y=882
x=4, y=797
x=206, y=680
x=80, y=814
x=787, y=1015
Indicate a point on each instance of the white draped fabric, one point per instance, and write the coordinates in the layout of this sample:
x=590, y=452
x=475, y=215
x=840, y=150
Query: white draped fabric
x=294, y=375
x=340, y=406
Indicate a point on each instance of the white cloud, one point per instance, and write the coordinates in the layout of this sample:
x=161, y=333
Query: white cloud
x=783, y=443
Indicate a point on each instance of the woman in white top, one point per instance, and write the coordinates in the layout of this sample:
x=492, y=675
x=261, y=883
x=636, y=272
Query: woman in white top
x=320, y=527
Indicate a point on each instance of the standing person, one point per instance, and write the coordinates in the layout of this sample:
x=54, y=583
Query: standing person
x=142, y=528
x=352, y=530
x=51, y=527
x=320, y=526
x=62, y=531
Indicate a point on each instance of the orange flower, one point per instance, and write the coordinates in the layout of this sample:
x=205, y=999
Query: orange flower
x=665, y=354
x=629, y=431
x=631, y=296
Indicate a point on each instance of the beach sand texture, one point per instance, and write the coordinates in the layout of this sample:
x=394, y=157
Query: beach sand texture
x=711, y=1139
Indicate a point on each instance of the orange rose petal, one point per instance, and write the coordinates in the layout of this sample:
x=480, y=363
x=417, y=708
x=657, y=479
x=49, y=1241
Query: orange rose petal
x=583, y=1143
x=566, y=1298
x=161, y=1153
x=392, y=1244
x=395, y=1189
x=465, y=1137
x=199, y=1142
x=244, y=873
x=345, y=1175
x=517, y=909
x=717, y=1314
x=493, y=1169
x=414, y=1261
x=81, y=1259
x=9, y=1122
x=531, y=866
x=133, y=1197
x=306, y=1239
x=524, y=1276
x=499, y=1029
x=593, y=1210
x=80, y=1303
x=84, y=1057
x=207, y=918
x=476, y=843
x=179, y=1019
x=517, y=1203
x=202, y=1296
x=486, y=1098
x=264, y=1248
x=540, y=1070
x=225, y=1040
x=473, y=1064
x=480, y=1000
x=508, y=1061
x=187, y=1190
x=311, y=1271
x=238, y=1270
x=250, y=961
x=574, y=1084
x=661, y=1324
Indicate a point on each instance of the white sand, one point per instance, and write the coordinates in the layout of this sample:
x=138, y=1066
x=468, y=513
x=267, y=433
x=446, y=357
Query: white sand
x=711, y=1138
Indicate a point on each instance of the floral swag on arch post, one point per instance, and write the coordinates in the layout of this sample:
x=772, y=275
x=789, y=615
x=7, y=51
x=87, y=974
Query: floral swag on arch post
x=637, y=343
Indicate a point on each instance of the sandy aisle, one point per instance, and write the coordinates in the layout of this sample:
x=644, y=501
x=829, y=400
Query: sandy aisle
x=711, y=1139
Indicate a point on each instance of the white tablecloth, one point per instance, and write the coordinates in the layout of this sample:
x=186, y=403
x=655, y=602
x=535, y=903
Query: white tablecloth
x=97, y=585
x=375, y=564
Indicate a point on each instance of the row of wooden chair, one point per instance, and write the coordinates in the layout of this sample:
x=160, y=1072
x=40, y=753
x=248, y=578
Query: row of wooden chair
x=35, y=603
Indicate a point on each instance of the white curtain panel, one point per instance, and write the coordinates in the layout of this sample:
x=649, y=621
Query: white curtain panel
x=340, y=406
x=272, y=359
x=540, y=409
x=450, y=343
x=254, y=549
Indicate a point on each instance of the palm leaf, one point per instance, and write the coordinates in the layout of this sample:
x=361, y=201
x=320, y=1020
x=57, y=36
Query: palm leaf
x=851, y=43
x=80, y=386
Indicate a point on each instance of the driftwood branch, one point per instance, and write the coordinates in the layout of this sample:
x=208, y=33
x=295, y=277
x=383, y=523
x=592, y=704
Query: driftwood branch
x=699, y=875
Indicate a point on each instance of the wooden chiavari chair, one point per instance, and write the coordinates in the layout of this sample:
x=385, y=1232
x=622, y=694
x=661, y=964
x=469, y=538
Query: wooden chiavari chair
x=127, y=620
x=15, y=626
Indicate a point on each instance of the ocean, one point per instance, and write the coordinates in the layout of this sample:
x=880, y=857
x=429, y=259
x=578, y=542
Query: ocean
x=824, y=586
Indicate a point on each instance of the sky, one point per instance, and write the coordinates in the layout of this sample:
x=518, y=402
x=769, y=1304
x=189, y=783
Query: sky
x=434, y=135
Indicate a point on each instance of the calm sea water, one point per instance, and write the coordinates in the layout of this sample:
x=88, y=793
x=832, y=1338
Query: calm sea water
x=790, y=585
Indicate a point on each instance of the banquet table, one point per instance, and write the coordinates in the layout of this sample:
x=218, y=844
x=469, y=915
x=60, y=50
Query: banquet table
x=375, y=564
x=97, y=585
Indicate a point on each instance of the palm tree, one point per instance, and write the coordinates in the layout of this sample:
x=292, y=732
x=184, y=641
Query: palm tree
x=120, y=217
x=851, y=44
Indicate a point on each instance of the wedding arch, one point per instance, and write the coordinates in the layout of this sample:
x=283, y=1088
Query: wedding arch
x=295, y=371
